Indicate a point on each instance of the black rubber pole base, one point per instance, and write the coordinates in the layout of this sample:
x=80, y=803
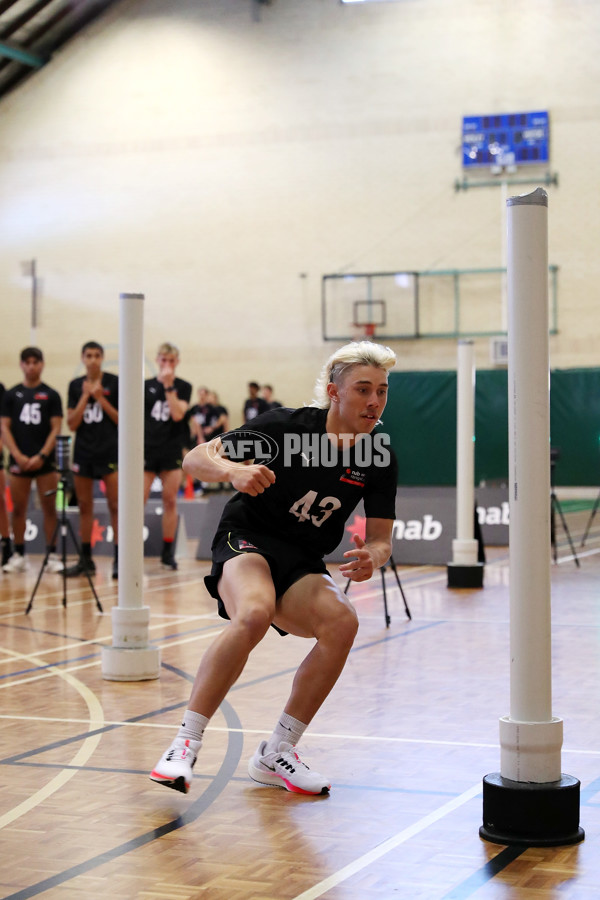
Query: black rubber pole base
x=530, y=814
x=465, y=576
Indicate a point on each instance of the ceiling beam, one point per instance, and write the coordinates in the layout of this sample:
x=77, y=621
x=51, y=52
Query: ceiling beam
x=12, y=51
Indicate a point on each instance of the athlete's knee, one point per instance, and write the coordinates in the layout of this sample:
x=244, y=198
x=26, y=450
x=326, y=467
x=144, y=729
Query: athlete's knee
x=340, y=626
x=254, y=619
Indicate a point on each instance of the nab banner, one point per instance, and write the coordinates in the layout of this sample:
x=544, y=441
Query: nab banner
x=422, y=533
x=425, y=526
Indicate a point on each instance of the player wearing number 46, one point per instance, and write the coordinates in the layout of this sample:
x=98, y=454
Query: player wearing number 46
x=92, y=413
x=268, y=568
x=166, y=432
x=31, y=419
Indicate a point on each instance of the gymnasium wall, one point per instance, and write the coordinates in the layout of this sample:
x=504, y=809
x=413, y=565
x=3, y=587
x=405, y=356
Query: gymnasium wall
x=221, y=156
x=421, y=420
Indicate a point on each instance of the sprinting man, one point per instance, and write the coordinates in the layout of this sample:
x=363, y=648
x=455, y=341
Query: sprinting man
x=289, y=511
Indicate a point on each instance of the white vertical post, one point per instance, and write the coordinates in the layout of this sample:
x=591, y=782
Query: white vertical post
x=130, y=658
x=530, y=802
x=465, y=547
x=525, y=756
x=465, y=570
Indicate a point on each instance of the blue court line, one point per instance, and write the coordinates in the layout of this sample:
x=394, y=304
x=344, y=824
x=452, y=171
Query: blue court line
x=54, y=665
x=183, y=705
x=80, y=737
x=384, y=640
x=111, y=770
x=66, y=637
x=588, y=792
x=74, y=659
x=506, y=857
x=485, y=874
x=216, y=787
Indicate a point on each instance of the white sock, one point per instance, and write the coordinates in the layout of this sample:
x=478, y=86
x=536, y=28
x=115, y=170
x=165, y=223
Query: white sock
x=287, y=729
x=192, y=727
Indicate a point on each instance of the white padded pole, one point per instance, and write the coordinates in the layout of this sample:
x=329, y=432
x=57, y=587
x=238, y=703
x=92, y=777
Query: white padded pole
x=130, y=658
x=464, y=547
x=530, y=737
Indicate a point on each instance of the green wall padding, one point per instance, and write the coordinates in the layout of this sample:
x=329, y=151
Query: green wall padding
x=421, y=420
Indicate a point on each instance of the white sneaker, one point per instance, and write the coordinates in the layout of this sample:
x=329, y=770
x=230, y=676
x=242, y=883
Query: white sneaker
x=174, y=768
x=53, y=564
x=284, y=768
x=17, y=563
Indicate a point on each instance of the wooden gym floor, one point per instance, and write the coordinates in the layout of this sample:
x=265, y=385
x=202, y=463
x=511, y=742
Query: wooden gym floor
x=406, y=738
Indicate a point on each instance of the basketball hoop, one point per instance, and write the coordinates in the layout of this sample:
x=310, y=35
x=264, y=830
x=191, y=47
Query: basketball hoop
x=364, y=330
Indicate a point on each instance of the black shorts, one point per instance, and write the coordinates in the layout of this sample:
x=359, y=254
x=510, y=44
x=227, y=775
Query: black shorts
x=96, y=470
x=158, y=464
x=48, y=467
x=287, y=563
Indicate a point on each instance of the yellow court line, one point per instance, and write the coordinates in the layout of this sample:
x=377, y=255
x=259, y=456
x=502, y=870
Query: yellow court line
x=81, y=757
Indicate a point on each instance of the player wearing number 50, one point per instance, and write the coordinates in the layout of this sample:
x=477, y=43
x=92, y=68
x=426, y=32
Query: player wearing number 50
x=92, y=413
x=289, y=511
x=31, y=419
x=166, y=401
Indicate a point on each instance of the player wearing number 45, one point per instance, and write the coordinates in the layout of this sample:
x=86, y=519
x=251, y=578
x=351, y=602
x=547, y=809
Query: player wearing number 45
x=92, y=413
x=166, y=401
x=289, y=511
x=31, y=419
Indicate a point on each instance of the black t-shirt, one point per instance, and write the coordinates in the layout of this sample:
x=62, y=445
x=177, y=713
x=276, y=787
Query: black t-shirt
x=162, y=435
x=97, y=437
x=215, y=414
x=30, y=411
x=316, y=487
x=201, y=413
x=254, y=407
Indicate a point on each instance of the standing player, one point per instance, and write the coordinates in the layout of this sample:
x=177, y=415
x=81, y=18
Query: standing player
x=4, y=526
x=166, y=400
x=254, y=405
x=92, y=413
x=267, y=395
x=198, y=415
x=268, y=551
x=218, y=420
x=31, y=420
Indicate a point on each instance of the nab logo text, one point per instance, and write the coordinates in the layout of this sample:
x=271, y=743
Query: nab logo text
x=429, y=529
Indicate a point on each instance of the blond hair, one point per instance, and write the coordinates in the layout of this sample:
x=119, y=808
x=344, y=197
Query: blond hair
x=358, y=353
x=167, y=349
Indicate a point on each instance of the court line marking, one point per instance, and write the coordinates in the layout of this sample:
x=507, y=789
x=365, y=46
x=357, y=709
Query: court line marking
x=49, y=669
x=322, y=735
x=390, y=844
x=108, y=637
x=217, y=785
x=83, y=754
x=111, y=594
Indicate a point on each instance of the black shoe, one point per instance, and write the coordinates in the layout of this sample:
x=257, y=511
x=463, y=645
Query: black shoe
x=167, y=560
x=115, y=569
x=6, y=552
x=81, y=567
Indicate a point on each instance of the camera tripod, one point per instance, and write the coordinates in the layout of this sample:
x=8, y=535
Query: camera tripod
x=65, y=528
x=382, y=569
x=590, y=520
x=554, y=508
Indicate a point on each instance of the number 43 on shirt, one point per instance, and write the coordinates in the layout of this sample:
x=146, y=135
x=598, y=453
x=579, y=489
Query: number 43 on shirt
x=323, y=509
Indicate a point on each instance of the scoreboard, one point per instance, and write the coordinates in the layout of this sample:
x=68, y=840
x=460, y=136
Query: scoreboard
x=508, y=139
